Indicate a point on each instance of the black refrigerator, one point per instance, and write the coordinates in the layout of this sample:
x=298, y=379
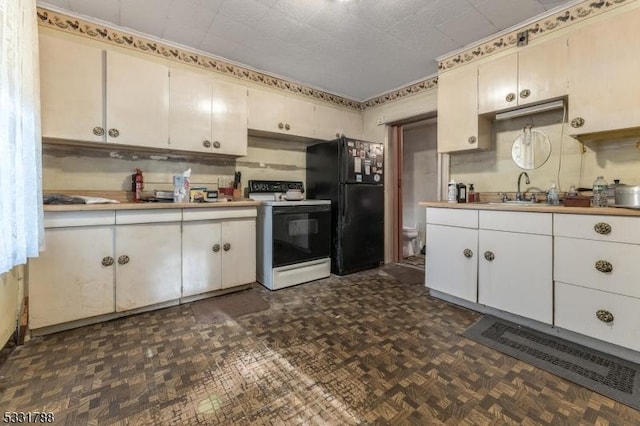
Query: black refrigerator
x=349, y=172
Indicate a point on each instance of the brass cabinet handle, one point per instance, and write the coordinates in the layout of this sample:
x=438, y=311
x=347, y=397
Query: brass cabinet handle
x=287, y=127
x=107, y=261
x=525, y=93
x=604, y=315
x=577, y=122
x=226, y=247
x=206, y=144
x=472, y=139
x=602, y=228
x=280, y=126
x=510, y=97
x=604, y=266
x=216, y=248
x=123, y=260
x=114, y=133
x=98, y=131
x=467, y=253
x=216, y=144
x=489, y=255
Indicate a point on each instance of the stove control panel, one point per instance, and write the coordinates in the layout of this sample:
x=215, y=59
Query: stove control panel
x=274, y=186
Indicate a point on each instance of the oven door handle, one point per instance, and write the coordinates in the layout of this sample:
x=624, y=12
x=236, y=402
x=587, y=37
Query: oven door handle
x=302, y=209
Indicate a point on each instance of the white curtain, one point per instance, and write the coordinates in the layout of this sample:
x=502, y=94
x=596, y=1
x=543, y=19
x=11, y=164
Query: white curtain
x=21, y=220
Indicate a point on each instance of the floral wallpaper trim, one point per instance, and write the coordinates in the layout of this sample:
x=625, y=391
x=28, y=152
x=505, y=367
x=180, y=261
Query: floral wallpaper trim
x=59, y=21
x=551, y=23
x=421, y=86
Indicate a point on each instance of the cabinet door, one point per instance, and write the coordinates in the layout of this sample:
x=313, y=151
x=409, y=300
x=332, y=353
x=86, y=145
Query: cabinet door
x=137, y=101
x=452, y=261
x=239, y=252
x=498, y=84
x=459, y=126
x=331, y=123
x=149, y=264
x=71, y=90
x=201, y=257
x=265, y=111
x=229, y=119
x=69, y=280
x=519, y=277
x=190, y=115
x=603, y=75
x=542, y=71
x=299, y=117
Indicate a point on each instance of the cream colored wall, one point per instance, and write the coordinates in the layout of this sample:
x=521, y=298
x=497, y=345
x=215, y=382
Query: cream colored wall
x=81, y=168
x=419, y=174
x=494, y=171
x=11, y=295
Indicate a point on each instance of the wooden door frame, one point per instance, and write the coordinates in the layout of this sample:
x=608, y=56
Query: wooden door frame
x=396, y=146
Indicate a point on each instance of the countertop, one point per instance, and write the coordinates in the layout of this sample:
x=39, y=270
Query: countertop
x=147, y=206
x=539, y=207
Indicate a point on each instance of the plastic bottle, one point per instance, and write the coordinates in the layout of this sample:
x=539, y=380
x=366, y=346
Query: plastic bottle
x=462, y=193
x=452, y=192
x=600, y=188
x=471, y=195
x=552, y=195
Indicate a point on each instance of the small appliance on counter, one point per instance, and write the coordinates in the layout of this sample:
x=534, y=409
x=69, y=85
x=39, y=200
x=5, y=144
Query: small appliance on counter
x=293, y=234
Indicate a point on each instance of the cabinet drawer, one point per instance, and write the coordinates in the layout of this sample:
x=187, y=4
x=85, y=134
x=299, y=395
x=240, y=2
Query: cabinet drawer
x=128, y=217
x=576, y=308
x=602, y=228
x=575, y=263
x=523, y=222
x=218, y=213
x=453, y=217
x=79, y=218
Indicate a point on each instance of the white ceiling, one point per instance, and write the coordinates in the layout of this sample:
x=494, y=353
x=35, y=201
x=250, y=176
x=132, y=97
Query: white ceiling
x=355, y=48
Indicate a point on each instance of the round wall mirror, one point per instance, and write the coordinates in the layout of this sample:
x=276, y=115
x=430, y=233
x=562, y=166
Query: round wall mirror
x=531, y=149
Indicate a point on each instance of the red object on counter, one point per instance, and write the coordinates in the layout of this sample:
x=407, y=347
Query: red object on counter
x=137, y=183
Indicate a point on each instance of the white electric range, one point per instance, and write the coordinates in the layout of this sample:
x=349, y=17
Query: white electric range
x=293, y=236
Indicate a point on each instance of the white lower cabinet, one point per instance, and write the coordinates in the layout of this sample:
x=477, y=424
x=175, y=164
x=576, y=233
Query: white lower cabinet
x=148, y=264
x=218, y=249
x=74, y=277
x=452, y=265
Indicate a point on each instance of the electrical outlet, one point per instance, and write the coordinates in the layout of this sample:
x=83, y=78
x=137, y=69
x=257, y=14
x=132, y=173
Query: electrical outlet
x=523, y=38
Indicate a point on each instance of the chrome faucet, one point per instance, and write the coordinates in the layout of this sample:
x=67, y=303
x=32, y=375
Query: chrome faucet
x=519, y=194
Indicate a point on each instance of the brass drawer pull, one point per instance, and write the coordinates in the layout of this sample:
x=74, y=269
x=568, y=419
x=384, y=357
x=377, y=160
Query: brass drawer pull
x=472, y=139
x=467, y=253
x=216, y=248
x=510, y=97
x=525, y=93
x=602, y=228
x=577, y=122
x=226, y=247
x=604, y=316
x=604, y=266
x=489, y=255
x=287, y=126
x=280, y=126
x=114, y=133
x=98, y=131
x=216, y=144
x=206, y=144
x=107, y=261
x=123, y=260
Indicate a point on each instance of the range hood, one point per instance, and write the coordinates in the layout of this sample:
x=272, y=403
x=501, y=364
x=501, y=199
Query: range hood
x=534, y=109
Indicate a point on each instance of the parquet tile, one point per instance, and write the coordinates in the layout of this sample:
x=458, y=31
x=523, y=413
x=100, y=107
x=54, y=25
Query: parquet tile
x=362, y=349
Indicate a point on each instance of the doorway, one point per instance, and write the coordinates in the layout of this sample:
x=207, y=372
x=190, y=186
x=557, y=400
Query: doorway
x=415, y=179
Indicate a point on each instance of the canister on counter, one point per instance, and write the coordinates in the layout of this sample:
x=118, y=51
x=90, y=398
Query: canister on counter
x=462, y=193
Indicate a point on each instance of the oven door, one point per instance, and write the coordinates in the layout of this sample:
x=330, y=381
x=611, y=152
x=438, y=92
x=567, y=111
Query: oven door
x=301, y=233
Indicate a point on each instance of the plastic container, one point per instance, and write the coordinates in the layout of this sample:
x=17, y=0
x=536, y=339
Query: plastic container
x=471, y=195
x=600, y=192
x=552, y=196
x=452, y=192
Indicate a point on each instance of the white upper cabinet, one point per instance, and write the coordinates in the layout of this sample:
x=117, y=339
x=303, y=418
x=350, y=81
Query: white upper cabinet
x=459, y=126
x=71, y=90
x=332, y=123
x=207, y=115
x=272, y=112
x=604, y=66
x=531, y=75
x=137, y=103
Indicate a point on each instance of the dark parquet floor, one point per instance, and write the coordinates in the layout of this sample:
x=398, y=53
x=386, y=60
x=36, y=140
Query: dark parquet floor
x=369, y=348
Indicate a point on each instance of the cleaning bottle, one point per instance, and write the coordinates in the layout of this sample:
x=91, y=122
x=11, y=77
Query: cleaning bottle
x=137, y=182
x=471, y=195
